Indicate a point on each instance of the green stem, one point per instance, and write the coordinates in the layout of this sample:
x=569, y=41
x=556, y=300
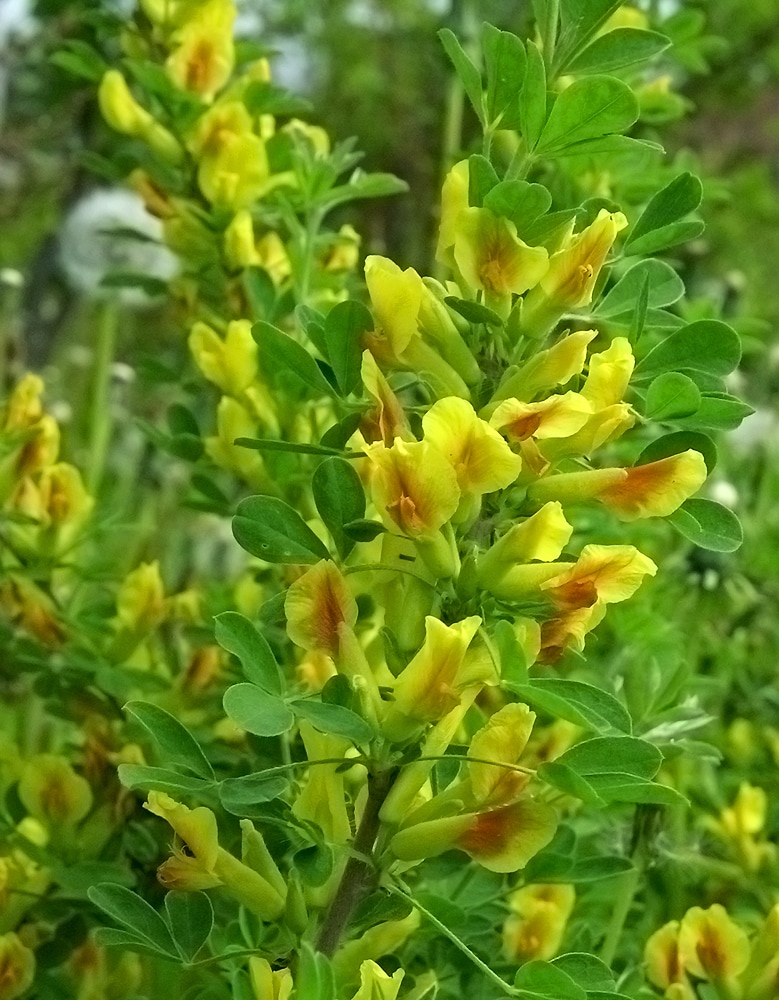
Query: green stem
x=359, y=876
x=550, y=31
x=100, y=423
x=628, y=884
x=460, y=945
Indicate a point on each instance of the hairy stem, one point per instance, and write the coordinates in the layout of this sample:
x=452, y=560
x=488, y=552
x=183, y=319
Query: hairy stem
x=359, y=876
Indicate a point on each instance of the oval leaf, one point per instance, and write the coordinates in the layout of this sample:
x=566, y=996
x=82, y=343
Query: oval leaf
x=135, y=914
x=239, y=636
x=708, y=524
x=576, y=702
x=256, y=711
x=190, y=917
x=672, y=395
x=707, y=345
x=607, y=754
x=270, y=529
x=588, y=109
x=175, y=743
x=334, y=720
x=339, y=498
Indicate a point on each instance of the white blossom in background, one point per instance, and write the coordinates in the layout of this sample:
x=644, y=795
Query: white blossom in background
x=724, y=492
x=758, y=430
x=95, y=242
x=291, y=64
x=16, y=22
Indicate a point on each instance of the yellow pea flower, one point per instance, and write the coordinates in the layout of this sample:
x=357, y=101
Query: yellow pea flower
x=663, y=962
x=501, y=840
x=233, y=421
x=568, y=630
x=344, y=252
x=267, y=983
x=556, y=416
x=492, y=258
x=51, y=791
x=414, y=487
x=387, y=420
x=573, y=270
x=140, y=603
x=711, y=945
x=240, y=247
x=203, y=54
x=273, y=256
x=17, y=967
x=454, y=200
x=65, y=499
x=24, y=408
x=124, y=114
x=535, y=927
x=318, y=606
x=609, y=374
x=230, y=363
x=432, y=682
x=481, y=459
x=602, y=573
x=376, y=984
x=540, y=537
x=382, y=939
x=546, y=369
x=502, y=739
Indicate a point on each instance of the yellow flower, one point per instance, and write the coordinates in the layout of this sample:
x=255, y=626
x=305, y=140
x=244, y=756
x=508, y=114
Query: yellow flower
x=376, y=984
x=318, y=606
x=656, y=489
x=124, y=114
x=414, y=487
x=240, y=247
x=542, y=536
x=24, y=408
x=230, y=363
x=322, y=796
x=431, y=684
x=481, y=459
x=454, y=200
x=233, y=421
x=711, y=945
x=556, y=416
x=203, y=53
x=570, y=280
x=602, y=573
x=664, y=965
x=269, y=984
x=501, y=840
x=140, y=603
x=65, y=500
x=547, y=369
x=52, y=792
x=609, y=374
x=272, y=255
x=387, y=420
x=344, y=253
x=503, y=739
x=491, y=257
x=568, y=630
x=17, y=967
x=535, y=927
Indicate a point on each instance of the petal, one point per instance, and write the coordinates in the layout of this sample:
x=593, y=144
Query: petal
x=318, y=603
x=658, y=488
x=502, y=739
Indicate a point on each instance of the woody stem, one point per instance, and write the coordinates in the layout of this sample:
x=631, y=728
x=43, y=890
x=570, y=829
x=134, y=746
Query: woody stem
x=359, y=876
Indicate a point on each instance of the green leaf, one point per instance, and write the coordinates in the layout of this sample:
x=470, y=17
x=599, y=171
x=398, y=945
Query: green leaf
x=520, y=202
x=80, y=59
x=75, y=881
x=605, y=754
x=665, y=287
x=588, y=109
x=334, y=720
x=238, y=794
x=576, y=702
x=280, y=354
x=344, y=328
x=174, y=742
x=482, y=178
x=580, y=20
x=134, y=914
x=672, y=395
x=718, y=411
x=112, y=937
x=599, y=867
x=190, y=917
x=676, y=443
x=363, y=529
x=467, y=72
x=160, y=779
x=708, y=524
x=239, y=636
x=362, y=185
x=676, y=200
x=587, y=970
x=619, y=787
x=474, y=312
x=569, y=781
x=619, y=48
x=256, y=711
x=270, y=529
x=543, y=980
x=667, y=236
x=336, y=437
x=505, y=61
x=314, y=863
x=707, y=345
x=293, y=447
x=532, y=100
x=339, y=498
